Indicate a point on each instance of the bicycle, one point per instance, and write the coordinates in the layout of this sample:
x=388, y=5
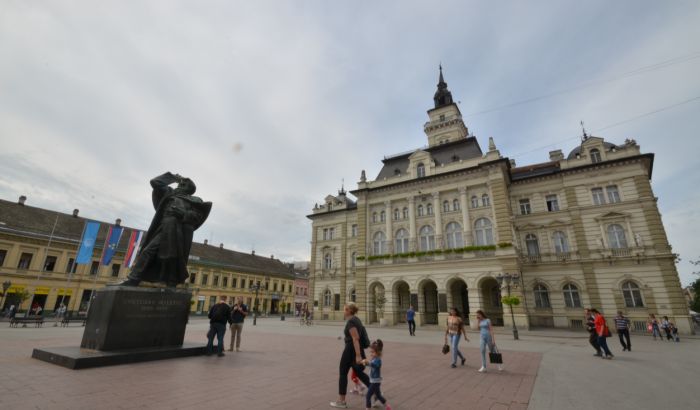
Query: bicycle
x=305, y=321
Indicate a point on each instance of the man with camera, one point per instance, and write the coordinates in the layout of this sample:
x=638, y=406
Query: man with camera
x=238, y=313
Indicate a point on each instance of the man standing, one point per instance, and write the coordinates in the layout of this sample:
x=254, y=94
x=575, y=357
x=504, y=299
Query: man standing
x=410, y=318
x=592, y=335
x=219, y=314
x=238, y=314
x=622, y=324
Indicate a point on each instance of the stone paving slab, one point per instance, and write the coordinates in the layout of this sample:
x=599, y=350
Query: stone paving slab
x=276, y=369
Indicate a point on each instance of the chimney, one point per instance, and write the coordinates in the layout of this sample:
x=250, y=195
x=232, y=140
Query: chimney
x=75, y=213
x=556, y=155
x=512, y=163
x=272, y=256
x=221, y=246
x=253, y=253
x=22, y=200
x=206, y=242
x=118, y=222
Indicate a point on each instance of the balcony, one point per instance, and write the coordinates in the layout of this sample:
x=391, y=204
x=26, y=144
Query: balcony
x=557, y=257
x=436, y=255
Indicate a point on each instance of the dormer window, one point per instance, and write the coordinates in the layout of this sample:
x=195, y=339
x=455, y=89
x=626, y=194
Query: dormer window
x=420, y=170
x=595, y=156
x=397, y=171
x=442, y=117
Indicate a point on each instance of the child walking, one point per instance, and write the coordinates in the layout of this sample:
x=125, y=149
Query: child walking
x=375, y=375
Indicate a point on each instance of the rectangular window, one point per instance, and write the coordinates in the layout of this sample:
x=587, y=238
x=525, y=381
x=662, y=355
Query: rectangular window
x=552, y=203
x=24, y=261
x=50, y=263
x=193, y=277
x=613, y=194
x=331, y=231
x=598, y=196
x=216, y=280
x=274, y=287
x=225, y=282
x=212, y=301
x=525, y=207
x=234, y=282
x=95, y=267
x=3, y=254
x=354, y=231
x=115, y=269
x=71, y=266
x=325, y=234
x=243, y=283
x=205, y=279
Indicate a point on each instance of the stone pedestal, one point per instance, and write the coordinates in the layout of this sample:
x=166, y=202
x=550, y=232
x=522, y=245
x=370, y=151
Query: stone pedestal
x=129, y=324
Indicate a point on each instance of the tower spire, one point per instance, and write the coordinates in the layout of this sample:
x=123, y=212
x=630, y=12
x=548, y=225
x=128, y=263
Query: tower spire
x=442, y=96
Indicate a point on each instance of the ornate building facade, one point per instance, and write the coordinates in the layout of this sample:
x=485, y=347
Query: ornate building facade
x=38, y=250
x=440, y=225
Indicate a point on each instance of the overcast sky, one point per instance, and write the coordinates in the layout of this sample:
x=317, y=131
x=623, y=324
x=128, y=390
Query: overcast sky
x=268, y=105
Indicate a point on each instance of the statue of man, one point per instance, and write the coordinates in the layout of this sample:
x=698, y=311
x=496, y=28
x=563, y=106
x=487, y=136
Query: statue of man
x=165, y=248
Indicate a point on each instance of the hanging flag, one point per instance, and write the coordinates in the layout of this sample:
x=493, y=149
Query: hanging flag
x=88, y=243
x=111, y=242
x=134, y=247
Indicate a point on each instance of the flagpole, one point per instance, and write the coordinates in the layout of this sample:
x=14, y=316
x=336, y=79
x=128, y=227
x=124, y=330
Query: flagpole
x=43, y=266
x=71, y=268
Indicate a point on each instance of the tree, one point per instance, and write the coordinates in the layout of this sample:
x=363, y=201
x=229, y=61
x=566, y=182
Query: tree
x=510, y=301
x=379, y=301
x=695, y=286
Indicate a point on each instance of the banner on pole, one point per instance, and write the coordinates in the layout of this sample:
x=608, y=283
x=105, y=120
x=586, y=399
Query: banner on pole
x=88, y=243
x=134, y=247
x=111, y=243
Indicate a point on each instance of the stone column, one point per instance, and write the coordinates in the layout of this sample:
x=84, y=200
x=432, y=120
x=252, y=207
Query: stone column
x=389, y=233
x=438, y=220
x=466, y=223
x=412, y=220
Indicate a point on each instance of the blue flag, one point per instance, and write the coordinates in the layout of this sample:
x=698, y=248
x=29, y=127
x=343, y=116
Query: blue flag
x=88, y=243
x=111, y=242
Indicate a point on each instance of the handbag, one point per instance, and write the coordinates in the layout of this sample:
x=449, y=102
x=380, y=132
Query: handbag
x=495, y=357
x=445, y=348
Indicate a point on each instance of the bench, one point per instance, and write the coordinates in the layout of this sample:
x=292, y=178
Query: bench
x=37, y=320
x=67, y=319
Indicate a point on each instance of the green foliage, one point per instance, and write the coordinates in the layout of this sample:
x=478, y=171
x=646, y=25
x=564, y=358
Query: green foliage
x=695, y=304
x=504, y=244
x=510, y=300
x=482, y=248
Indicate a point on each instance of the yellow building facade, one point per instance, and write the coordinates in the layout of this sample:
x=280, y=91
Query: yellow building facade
x=446, y=225
x=38, y=249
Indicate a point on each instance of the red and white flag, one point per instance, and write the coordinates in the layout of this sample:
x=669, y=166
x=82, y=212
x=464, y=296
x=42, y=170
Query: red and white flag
x=133, y=249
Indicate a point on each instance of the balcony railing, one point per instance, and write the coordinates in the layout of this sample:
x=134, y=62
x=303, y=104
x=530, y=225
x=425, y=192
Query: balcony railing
x=621, y=251
x=549, y=257
x=437, y=255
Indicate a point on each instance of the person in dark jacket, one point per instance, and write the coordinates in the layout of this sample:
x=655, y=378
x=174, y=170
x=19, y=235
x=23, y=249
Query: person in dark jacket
x=219, y=314
x=592, y=335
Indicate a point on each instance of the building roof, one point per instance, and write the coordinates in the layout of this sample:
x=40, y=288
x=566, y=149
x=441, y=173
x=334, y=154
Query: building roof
x=29, y=221
x=577, y=151
x=466, y=148
x=533, y=170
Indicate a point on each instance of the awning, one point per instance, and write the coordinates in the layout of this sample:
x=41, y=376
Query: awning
x=42, y=291
x=15, y=289
x=66, y=292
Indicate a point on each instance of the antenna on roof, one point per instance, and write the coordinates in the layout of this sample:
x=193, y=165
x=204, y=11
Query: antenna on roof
x=585, y=135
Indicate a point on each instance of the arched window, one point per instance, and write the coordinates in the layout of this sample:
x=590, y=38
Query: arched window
x=353, y=296
x=382, y=216
x=374, y=217
x=427, y=238
x=446, y=206
x=571, y=296
x=405, y=213
x=455, y=205
x=632, y=295
x=353, y=259
x=429, y=209
x=401, y=239
x=327, y=297
x=420, y=170
x=397, y=214
x=475, y=202
x=454, y=235
x=561, y=245
x=483, y=231
x=541, y=296
x=533, y=247
x=595, y=155
x=616, y=237
x=420, y=210
x=327, y=261
x=379, y=243
x=485, y=201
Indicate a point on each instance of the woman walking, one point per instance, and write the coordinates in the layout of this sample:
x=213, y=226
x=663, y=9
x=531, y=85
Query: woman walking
x=667, y=327
x=486, y=338
x=653, y=324
x=603, y=332
x=356, y=341
x=455, y=328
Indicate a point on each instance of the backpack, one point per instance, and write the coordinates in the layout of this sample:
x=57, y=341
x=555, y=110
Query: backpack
x=364, y=338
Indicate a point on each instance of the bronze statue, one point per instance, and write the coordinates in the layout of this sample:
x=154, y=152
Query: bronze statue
x=165, y=249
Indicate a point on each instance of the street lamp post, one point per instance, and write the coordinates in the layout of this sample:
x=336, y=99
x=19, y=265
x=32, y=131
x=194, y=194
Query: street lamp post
x=255, y=287
x=508, y=279
x=5, y=286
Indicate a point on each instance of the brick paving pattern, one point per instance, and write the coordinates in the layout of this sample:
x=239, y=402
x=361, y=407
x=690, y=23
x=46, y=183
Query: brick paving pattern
x=273, y=370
